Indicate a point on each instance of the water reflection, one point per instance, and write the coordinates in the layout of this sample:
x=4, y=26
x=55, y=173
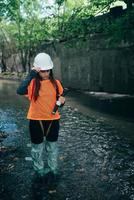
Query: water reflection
x=8, y=96
x=95, y=160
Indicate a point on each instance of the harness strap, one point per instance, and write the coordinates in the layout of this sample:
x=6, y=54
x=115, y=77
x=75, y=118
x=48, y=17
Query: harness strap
x=41, y=124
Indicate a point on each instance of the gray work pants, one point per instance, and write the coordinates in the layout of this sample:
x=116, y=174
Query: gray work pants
x=37, y=157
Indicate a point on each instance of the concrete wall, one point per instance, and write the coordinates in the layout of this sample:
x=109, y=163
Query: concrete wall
x=110, y=70
x=94, y=66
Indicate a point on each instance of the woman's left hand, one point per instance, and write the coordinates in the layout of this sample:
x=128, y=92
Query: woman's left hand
x=62, y=99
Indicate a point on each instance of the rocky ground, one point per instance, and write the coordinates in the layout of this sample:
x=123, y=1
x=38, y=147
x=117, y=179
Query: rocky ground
x=96, y=152
x=95, y=156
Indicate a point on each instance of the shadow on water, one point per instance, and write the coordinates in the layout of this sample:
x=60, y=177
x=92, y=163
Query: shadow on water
x=95, y=160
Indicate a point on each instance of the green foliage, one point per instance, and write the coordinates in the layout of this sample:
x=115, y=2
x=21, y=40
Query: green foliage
x=122, y=29
x=25, y=26
x=82, y=23
x=28, y=23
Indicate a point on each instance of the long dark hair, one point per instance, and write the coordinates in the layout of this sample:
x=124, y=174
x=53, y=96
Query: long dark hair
x=37, y=85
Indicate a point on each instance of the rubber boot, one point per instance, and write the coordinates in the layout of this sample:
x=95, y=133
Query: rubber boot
x=37, y=157
x=52, y=158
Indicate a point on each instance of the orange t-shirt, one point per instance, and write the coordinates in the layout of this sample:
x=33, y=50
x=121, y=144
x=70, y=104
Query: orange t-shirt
x=42, y=108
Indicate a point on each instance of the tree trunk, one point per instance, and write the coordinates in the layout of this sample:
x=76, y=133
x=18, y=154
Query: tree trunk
x=4, y=67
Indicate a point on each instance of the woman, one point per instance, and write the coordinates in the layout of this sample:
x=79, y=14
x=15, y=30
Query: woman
x=43, y=91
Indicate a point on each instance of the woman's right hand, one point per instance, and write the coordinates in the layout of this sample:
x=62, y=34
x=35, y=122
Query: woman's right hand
x=37, y=69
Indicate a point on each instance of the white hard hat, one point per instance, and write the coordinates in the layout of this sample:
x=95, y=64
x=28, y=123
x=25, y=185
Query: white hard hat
x=43, y=61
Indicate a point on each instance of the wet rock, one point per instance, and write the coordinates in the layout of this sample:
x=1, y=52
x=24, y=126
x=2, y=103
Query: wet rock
x=52, y=191
x=3, y=135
